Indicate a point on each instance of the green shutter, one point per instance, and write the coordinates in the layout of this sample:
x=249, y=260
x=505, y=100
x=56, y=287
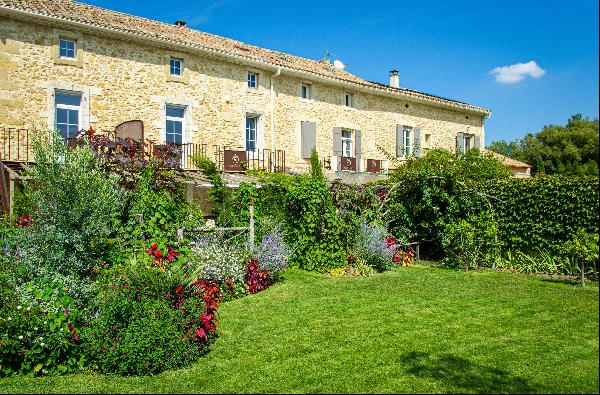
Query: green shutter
x=308, y=136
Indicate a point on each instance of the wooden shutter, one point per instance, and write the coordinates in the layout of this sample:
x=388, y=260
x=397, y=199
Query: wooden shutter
x=460, y=142
x=337, y=141
x=478, y=142
x=308, y=131
x=416, y=142
x=357, y=149
x=399, y=142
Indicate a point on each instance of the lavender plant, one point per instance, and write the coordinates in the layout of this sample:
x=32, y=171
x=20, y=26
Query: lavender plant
x=272, y=253
x=371, y=248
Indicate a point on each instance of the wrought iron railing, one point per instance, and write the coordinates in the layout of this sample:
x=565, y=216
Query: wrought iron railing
x=239, y=161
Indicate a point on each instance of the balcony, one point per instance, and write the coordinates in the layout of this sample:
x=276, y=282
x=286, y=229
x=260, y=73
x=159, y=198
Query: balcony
x=354, y=165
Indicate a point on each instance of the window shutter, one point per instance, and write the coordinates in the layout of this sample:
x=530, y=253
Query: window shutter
x=357, y=148
x=308, y=136
x=399, y=143
x=478, y=142
x=460, y=142
x=337, y=141
x=417, y=142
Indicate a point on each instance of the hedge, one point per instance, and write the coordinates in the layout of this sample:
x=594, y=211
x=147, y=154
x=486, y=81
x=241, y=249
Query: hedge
x=543, y=211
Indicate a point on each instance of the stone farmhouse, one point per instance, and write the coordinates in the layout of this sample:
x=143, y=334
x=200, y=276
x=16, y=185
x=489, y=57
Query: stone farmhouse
x=66, y=66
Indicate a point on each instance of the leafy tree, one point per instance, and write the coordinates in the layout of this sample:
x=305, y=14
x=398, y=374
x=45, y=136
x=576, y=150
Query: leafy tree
x=571, y=149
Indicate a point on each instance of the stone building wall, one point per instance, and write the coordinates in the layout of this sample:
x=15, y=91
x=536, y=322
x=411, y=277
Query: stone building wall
x=121, y=81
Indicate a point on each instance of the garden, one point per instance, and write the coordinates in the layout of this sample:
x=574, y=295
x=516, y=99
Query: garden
x=107, y=269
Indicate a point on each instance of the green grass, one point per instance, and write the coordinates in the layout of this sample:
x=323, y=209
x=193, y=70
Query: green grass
x=408, y=330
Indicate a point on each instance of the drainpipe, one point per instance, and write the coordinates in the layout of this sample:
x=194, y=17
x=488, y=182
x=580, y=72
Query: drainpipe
x=273, y=107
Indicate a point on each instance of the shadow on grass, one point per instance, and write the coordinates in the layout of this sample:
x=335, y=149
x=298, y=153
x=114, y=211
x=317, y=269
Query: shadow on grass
x=461, y=375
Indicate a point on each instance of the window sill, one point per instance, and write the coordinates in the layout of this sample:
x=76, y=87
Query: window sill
x=303, y=100
x=254, y=91
x=183, y=79
x=77, y=62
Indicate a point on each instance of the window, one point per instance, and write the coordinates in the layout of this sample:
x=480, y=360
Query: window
x=252, y=80
x=175, y=116
x=68, y=114
x=347, y=143
x=175, y=67
x=468, y=142
x=251, y=128
x=305, y=91
x=427, y=140
x=349, y=99
x=407, y=137
x=67, y=49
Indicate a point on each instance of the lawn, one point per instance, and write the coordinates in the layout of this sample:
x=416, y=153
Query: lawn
x=407, y=330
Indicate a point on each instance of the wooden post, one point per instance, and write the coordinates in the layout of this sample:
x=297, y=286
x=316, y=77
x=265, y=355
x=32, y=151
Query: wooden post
x=251, y=227
x=179, y=235
x=417, y=252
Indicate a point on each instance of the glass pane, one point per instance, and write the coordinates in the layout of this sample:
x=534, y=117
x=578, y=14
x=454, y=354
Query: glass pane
x=174, y=138
x=250, y=145
x=346, y=133
x=68, y=99
x=177, y=127
x=67, y=48
x=61, y=115
x=169, y=127
x=176, y=112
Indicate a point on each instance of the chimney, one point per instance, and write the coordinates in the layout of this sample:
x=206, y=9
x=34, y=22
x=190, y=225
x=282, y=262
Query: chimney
x=394, y=79
x=181, y=23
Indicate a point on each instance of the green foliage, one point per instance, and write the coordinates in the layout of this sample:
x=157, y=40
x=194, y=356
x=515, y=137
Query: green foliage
x=426, y=194
x=544, y=212
x=537, y=261
x=472, y=242
x=76, y=209
x=313, y=228
x=316, y=170
x=370, y=247
x=219, y=193
x=571, y=149
x=38, y=336
x=582, y=252
x=154, y=213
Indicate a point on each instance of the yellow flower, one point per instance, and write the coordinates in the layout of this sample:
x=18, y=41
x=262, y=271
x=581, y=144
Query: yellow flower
x=147, y=267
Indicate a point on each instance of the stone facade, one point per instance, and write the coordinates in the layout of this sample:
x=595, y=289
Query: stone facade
x=121, y=80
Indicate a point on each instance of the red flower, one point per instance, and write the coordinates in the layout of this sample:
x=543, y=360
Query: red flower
x=200, y=332
x=154, y=246
x=397, y=258
x=390, y=241
x=158, y=253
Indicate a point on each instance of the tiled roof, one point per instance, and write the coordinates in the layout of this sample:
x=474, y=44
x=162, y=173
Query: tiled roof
x=508, y=161
x=93, y=16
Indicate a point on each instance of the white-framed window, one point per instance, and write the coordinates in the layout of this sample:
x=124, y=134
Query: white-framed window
x=407, y=141
x=305, y=91
x=252, y=80
x=67, y=113
x=175, y=67
x=347, y=143
x=348, y=99
x=175, y=121
x=67, y=49
x=251, y=132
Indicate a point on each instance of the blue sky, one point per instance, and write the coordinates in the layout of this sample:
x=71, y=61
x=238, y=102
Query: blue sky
x=446, y=48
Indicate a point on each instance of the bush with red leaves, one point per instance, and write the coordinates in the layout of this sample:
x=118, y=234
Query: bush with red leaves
x=256, y=280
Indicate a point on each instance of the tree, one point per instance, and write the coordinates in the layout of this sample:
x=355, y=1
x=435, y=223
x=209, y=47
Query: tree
x=571, y=149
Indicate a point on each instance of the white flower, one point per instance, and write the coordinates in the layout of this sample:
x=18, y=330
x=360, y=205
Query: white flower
x=10, y=318
x=42, y=344
x=45, y=322
x=28, y=308
x=35, y=329
x=18, y=307
x=41, y=338
x=20, y=337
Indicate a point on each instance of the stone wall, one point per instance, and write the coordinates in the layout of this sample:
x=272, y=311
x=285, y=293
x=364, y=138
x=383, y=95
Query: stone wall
x=122, y=81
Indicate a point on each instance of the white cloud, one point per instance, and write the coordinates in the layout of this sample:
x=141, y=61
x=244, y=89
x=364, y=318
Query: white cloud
x=517, y=72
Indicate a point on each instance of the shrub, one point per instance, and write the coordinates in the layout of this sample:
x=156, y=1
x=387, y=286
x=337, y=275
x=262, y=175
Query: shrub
x=76, y=207
x=581, y=252
x=148, y=321
x=256, y=279
x=273, y=252
x=372, y=248
x=212, y=257
x=39, y=335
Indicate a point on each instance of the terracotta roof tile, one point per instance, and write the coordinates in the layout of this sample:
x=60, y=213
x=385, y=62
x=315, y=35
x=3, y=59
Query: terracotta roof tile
x=69, y=10
x=508, y=161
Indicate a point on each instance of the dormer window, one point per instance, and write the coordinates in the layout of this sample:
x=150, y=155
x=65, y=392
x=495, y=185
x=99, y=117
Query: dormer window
x=305, y=91
x=348, y=99
x=252, y=80
x=67, y=48
x=175, y=67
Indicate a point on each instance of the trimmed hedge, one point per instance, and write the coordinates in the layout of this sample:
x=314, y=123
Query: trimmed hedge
x=544, y=211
